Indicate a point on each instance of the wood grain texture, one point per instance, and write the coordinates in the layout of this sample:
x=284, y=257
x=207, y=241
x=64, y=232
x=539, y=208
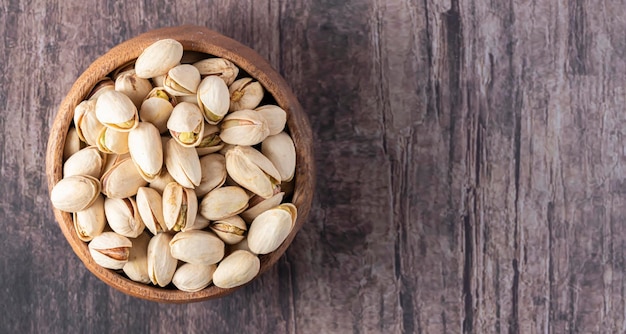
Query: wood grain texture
x=470, y=166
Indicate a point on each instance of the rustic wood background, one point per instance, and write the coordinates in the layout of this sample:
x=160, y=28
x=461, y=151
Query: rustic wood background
x=471, y=170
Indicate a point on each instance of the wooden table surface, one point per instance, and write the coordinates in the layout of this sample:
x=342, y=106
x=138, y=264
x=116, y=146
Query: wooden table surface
x=471, y=170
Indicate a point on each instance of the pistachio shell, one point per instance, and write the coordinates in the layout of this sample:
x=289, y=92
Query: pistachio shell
x=137, y=266
x=193, y=99
x=128, y=67
x=182, y=80
x=88, y=127
x=242, y=245
x=112, y=141
x=161, y=263
x=223, y=203
x=244, y=127
x=88, y=161
x=150, y=207
x=245, y=94
x=75, y=193
x=220, y=67
x=196, y=246
x=259, y=205
x=73, y=143
x=112, y=160
x=134, y=87
x=275, y=116
x=159, y=80
x=186, y=124
x=90, y=222
x=156, y=111
x=158, y=58
x=280, y=150
x=110, y=250
x=269, y=229
x=183, y=164
x=180, y=207
x=213, y=168
x=144, y=143
x=161, y=181
x=117, y=111
x=123, y=216
x=103, y=85
x=231, y=230
x=122, y=180
x=213, y=99
x=252, y=170
x=193, y=277
x=238, y=268
x=199, y=224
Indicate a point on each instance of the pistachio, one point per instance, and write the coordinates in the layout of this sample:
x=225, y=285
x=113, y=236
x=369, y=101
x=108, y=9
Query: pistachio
x=103, y=85
x=123, y=216
x=211, y=141
x=90, y=222
x=159, y=80
x=112, y=141
x=242, y=245
x=186, y=124
x=182, y=80
x=137, y=266
x=88, y=161
x=158, y=58
x=128, y=67
x=161, y=181
x=156, y=111
x=252, y=170
x=150, y=207
x=220, y=67
x=75, y=193
x=245, y=94
x=213, y=99
x=116, y=110
x=244, y=127
x=199, y=224
x=146, y=151
x=231, y=230
x=259, y=205
x=193, y=277
x=180, y=206
x=73, y=143
x=213, y=168
x=280, y=150
x=134, y=87
x=122, y=180
x=238, y=268
x=161, y=263
x=223, y=203
x=87, y=125
x=183, y=164
x=193, y=99
x=269, y=229
x=110, y=250
x=275, y=116
x=196, y=246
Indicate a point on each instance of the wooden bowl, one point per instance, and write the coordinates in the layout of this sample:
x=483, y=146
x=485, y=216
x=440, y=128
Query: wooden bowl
x=193, y=38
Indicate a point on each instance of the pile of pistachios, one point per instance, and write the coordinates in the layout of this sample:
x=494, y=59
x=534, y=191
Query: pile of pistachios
x=174, y=173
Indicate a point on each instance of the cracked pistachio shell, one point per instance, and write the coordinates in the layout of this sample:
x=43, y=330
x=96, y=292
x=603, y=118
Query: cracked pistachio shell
x=238, y=268
x=213, y=173
x=245, y=93
x=128, y=67
x=161, y=263
x=116, y=110
x=87, y=125
x=103, y=85
x=244, y=127
x=281, y=151
x=196, y=246
x=146, y=151
x=183, y=164
x=75, y=193
x=158, y=58
x=211, y=141
x=161, y=181
x=199, y=224
x=157, y=111
x=134, y=87
x=193, y=277
x=182, y=80
x=88, y=161
x=180, y=207
x=275, y=116
x=193, y=99
x=150, y=207
x=110, y=250
x=159, y=80
x=231, y=230
x=122, y=180
x=220, y=67
x=242, y=245
x=213, y=99
x=112, y=160
x=186, y=124
x=137, y=266
x=123, y=216
x=73, y=143
x=223, y=203
x=112, y=141
x=90, y=222
x=259, y=205
x=252, y=170
x=270, y=228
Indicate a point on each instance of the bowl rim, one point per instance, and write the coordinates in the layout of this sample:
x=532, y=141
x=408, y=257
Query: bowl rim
x=193, y=38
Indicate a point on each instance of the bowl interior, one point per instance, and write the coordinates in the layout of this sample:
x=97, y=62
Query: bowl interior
x=200, y=39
